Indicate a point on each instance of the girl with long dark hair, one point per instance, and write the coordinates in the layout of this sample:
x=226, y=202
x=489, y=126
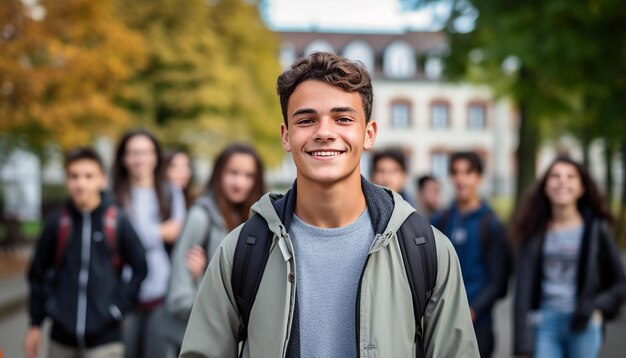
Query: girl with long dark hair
x=178, y=171
x=569, y=276
x=235, y=184
x=156, y=210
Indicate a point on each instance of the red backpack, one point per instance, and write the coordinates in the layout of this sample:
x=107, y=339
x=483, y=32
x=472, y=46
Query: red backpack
x=110, y=234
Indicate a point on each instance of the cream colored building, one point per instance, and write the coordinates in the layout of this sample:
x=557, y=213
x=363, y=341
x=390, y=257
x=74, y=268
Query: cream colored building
x=417, y=110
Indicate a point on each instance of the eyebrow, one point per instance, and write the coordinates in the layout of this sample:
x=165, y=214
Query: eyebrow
x=333, y=110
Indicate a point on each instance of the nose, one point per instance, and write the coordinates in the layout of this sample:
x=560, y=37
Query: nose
x=325, y=130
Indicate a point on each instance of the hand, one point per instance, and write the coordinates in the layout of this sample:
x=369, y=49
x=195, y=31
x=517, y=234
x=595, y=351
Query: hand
x=32, y=342
x=196, y=261
x=170, y=229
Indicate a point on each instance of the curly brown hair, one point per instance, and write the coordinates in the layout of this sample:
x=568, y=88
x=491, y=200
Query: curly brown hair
x=335, y=70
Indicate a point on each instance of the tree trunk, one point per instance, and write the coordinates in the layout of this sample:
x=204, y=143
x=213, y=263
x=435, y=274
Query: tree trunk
x=585, y=142
x=621, y=220
x=609, y=153
x=526, y=152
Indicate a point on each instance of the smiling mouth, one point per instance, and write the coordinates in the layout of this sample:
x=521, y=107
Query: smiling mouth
x=325, y=153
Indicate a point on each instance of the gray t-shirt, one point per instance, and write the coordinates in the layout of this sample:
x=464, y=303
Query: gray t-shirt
x=329, y=263
x=560, y=269
x=146, y=220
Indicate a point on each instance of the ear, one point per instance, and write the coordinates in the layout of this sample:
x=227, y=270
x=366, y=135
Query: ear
x=371, y=129
x=284, y=134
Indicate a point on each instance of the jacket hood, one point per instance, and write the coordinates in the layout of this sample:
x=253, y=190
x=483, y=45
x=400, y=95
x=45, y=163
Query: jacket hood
x=207, y=201
x=386, y=208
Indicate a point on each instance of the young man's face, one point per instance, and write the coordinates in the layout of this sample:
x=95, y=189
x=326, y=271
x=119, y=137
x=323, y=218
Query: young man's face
x=389, y=173
x=327, y=132
x=84, y=181
x=466, y=180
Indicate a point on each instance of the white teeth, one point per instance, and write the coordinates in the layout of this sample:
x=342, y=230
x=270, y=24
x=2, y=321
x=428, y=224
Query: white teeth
x=325, y=154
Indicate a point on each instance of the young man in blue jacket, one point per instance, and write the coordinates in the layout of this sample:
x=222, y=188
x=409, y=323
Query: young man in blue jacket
x=479, y=239
x=75, y=276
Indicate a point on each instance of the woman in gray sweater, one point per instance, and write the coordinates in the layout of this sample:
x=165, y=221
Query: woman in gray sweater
x=235, y=184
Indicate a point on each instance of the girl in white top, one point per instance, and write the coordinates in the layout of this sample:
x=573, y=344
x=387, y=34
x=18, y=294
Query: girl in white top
x=156, y=210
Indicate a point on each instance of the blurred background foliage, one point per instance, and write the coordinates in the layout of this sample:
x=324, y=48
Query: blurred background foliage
x=563, y=63
x=198, y=75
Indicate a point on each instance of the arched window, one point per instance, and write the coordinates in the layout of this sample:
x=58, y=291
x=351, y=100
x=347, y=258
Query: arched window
x=477, y=115
x=433, y=68
x=287, y=55
x=400, y=114
x=317, y=46
x=399, y=60
x=439, y=114
x=359, y=50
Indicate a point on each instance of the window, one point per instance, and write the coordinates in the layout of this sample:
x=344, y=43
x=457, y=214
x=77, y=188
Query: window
x=433, y=68
x=400, y=115
x=360, y=51
x=399, y=60
x=439, y=115
x=318, y=45
x=287, y=55
x=439, y=165
x=476, y=116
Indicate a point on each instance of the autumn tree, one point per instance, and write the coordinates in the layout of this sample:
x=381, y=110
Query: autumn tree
x=61, y=63
x=210, y=75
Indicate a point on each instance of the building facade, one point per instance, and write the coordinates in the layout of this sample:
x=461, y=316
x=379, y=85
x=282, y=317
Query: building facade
x=417, y=110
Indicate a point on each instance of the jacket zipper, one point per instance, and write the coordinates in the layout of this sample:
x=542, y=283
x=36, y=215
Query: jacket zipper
x=358, y=298
x=83, y=279
x=358, y=310
x=285, y=236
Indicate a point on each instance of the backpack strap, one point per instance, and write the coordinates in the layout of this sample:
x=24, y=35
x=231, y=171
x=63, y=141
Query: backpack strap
x=251, y=254
x=110, y=233
x=417, y=244
x=63, y=234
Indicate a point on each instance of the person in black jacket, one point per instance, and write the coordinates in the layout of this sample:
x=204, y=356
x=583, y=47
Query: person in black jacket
x=75, y=275
x=569, y=276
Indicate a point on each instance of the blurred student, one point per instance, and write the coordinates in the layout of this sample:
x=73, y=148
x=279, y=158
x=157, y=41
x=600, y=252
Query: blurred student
x=235, y=184
x=389, y=170
x=479, y=239
x=83, y=245
x=179, y=172
x=156, y=210
x=569, y=276
x=428, y=195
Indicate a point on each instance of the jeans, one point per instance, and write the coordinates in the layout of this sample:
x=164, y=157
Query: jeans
x=554, y=337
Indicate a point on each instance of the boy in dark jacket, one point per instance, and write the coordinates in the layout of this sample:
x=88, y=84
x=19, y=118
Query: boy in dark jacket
x=75, y=276
x=479, y=239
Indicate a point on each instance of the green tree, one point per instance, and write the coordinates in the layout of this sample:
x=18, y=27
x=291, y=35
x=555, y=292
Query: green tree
x=568, y=73
x=61, y=63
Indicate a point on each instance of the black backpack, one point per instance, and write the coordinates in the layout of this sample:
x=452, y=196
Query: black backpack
x=417, y=244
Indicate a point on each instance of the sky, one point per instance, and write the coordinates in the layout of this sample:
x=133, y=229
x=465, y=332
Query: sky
x=348, y=15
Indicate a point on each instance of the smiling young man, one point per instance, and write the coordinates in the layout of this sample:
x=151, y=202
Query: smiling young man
x=334, y=282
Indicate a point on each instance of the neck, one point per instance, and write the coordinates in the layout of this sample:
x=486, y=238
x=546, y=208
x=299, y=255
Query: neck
x=565, y=216
x=89, y=205
x=468, y=205
x=330, y=205
x=142, y=181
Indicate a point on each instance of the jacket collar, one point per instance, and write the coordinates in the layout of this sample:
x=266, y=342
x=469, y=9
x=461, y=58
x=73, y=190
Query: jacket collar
x=387, y=209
